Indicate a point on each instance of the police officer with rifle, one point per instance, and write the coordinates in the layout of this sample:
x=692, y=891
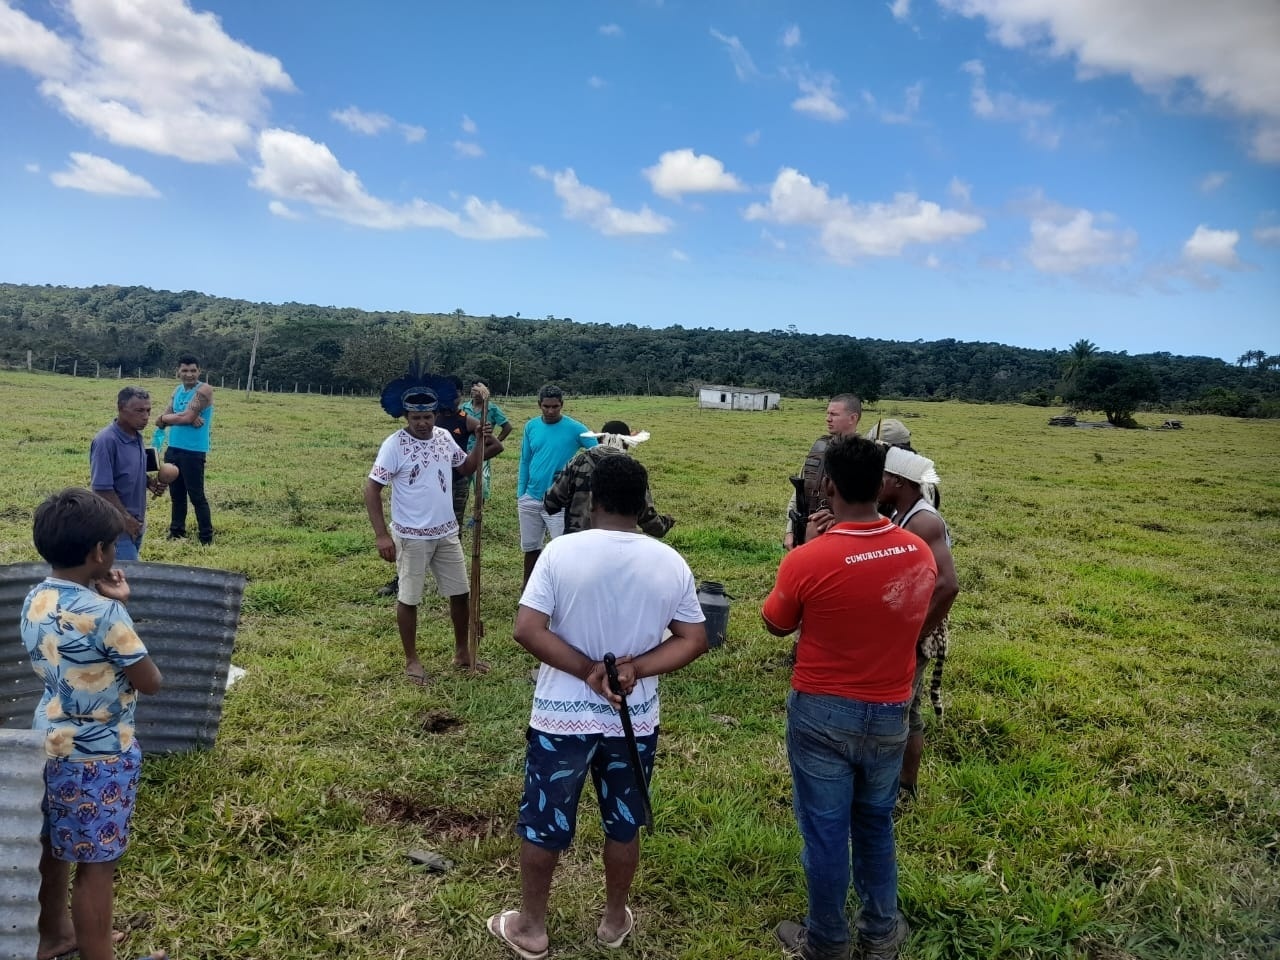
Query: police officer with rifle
x=807, y=504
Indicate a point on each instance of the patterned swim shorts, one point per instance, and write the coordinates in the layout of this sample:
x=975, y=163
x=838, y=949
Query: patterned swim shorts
x=556, y=768
x=88, y=804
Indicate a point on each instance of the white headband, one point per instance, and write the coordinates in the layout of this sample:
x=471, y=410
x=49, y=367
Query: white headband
x=911, y=466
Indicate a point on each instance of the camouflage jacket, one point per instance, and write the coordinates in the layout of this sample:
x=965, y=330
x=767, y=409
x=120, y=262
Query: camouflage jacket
x=571, y=492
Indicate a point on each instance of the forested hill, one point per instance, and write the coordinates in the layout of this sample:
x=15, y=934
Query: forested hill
x=134, y=328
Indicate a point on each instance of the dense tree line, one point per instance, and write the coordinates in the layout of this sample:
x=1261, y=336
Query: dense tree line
x=339, y=348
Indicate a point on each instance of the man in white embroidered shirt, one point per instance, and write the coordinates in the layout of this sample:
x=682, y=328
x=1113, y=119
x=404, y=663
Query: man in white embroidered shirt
x=417, y=462
x=609, y=589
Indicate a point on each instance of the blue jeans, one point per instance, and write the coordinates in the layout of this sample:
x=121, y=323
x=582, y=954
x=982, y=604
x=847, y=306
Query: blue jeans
x=845, y=759
x=127, y=547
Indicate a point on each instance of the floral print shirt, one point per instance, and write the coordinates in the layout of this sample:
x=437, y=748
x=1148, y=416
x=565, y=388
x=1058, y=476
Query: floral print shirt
x=79, y=643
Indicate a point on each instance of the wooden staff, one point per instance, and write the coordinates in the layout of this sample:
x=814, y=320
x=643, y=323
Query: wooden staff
x=477, y=624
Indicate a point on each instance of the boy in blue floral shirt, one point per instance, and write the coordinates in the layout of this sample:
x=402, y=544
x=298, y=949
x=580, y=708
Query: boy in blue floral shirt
x=83, y=646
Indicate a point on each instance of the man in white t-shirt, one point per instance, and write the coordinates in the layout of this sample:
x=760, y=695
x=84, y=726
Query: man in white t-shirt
x=610, y=589
x=417, y=462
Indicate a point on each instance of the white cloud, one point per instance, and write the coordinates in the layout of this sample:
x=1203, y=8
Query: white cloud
x=848, y=231
x=1269, y=235
x=610, y=30
x=1265, y=144
x=1033, y=115
x=32, y=168
x=910, y=105
x=901, y=9
x=1227, y=52
x=960, y=191
x=283, y=211
x=468, y=125
x=819, y=99
x=29, y=44
x=791, y=37
x=1207, y=245
x=294, y=167
x=596, y=83
x=1213, y=180
x=932, y=261
x=776, y=242
x=743, y=65
x=678, y=172
x=465, y=148
x=1066, y=240
x=95, y=174
x=150, y=74
x=752, y=138
x=680, y=255
x=372, y=124
x=595, y=207
x=360, y=121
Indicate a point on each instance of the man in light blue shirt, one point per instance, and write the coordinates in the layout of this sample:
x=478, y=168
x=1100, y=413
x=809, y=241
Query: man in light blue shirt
x=188, y=420
x=549, y=443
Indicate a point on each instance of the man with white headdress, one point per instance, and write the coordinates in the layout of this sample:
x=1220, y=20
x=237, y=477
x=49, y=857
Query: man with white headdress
x=906, y=475
x=571, y=490
x=894, y=433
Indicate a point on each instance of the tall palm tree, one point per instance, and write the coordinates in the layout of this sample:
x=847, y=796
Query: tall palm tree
x=1078, y=356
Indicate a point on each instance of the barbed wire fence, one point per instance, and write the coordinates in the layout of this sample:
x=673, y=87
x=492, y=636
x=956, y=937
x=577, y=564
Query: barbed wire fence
x=77, y=366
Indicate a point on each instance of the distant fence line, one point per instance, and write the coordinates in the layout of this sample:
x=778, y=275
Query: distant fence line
x=95, y=370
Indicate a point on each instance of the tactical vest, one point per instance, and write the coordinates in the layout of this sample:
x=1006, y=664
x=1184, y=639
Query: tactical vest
x=813, y=473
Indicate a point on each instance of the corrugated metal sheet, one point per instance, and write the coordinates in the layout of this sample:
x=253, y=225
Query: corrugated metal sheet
x=21, y=787
x=19, y=686
x=186, y=616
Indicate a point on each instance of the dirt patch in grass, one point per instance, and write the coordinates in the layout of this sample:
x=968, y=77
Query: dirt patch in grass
x=439, y=721
x=444, y=822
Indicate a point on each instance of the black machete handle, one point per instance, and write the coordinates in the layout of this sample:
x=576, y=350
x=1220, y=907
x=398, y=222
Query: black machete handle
x=611, y=668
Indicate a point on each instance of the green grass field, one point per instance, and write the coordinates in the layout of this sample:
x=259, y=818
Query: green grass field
x=1104, y=786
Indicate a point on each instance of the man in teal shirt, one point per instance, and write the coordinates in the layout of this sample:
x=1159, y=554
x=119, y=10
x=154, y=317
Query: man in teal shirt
x=188, y=420
x=549, y=443
x=495, y=417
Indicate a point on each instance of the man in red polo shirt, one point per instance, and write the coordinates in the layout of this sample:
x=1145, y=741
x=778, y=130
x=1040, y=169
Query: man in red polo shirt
x=860, y=594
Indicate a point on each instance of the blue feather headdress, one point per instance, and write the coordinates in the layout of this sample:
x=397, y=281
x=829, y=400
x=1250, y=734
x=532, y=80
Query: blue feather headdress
x=418, y=390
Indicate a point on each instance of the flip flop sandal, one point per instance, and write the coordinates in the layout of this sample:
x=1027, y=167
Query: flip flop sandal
x=621, y=938
x=497, y=925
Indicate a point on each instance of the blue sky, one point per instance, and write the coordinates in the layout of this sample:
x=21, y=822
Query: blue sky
x=1022, y=171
